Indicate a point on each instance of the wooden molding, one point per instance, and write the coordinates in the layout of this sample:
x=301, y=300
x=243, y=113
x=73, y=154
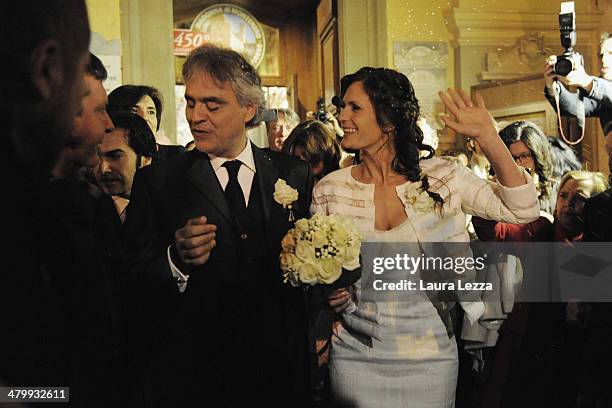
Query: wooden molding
x=492, y=27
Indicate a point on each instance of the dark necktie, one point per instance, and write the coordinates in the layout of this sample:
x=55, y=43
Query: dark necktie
x=233, y=191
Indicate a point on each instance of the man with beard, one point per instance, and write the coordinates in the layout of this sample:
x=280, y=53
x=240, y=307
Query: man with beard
x=130, y=146
x=40, y=94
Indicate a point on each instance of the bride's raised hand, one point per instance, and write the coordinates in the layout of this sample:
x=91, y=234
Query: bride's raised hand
x=467, y=118
x=477, y=122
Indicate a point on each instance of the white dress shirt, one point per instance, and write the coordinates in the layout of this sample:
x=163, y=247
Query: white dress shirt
x=245, y=179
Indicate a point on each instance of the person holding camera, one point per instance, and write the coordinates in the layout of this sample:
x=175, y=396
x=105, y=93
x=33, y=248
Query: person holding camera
x=596, y=92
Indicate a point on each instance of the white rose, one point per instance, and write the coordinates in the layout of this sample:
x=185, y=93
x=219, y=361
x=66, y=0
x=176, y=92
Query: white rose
x=308, y=273
x=305, y=251
x=302, y=225
x=351, y=258
x=284, y=194
x=319, y=238
x=330, y=270
x=318, y=218
x=340, y=235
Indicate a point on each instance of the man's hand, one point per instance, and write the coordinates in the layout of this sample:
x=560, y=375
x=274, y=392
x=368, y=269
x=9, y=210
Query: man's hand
x=549, y=76
x=576, y=78
x=194, y=242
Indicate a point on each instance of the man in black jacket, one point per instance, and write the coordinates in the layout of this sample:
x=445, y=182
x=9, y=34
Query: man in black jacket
x=40, y=94
x=85, y=252
x=204, y=230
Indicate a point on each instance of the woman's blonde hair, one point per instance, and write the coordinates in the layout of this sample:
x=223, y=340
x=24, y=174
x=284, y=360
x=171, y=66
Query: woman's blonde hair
x=599, y=180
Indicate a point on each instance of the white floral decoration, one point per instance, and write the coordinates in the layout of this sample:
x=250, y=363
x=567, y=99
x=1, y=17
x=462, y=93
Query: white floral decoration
x=417, y=197
x=285, y=195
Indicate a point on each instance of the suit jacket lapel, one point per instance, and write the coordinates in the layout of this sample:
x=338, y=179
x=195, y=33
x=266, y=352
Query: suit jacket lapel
x=267, y=175
x=202, y=175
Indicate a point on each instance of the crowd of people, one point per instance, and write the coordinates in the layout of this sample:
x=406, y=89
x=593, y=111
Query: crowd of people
x=142, y=274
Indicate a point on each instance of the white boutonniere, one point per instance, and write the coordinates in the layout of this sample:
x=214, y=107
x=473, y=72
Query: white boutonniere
x=417, y=197
x=285, y=195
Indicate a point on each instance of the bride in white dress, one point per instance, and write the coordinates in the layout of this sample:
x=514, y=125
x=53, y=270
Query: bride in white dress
x=402, y=353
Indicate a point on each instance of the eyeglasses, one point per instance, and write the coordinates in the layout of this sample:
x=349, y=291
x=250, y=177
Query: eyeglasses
x=523, y=157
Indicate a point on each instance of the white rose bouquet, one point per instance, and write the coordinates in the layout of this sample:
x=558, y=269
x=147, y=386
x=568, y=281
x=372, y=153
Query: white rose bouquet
x=318, y=249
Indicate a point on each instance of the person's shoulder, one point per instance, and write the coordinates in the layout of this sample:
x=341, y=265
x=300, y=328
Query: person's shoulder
x=336, y=180
x=282, y=159
x=601, y=199
x=544, y=219
x=166, y=151
x=603, y=84
x=342, y=174
x=540, y=230
x=439, y=161
x=176, y=164
x=287, y=164
x=440, y=164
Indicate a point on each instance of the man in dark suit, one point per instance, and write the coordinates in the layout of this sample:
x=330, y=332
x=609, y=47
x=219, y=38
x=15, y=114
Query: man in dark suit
x=85, y=256
x=40, y=94
x=204, y=231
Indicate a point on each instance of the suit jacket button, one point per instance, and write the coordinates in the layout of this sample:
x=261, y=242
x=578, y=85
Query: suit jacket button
x=243, y=236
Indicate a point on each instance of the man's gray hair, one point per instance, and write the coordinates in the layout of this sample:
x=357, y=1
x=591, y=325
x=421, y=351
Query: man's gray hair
x=225, y=65
x=291, y=118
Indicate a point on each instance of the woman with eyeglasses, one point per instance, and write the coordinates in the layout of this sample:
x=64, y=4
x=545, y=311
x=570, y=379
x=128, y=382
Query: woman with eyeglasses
x=402, y=353
x=530, y=149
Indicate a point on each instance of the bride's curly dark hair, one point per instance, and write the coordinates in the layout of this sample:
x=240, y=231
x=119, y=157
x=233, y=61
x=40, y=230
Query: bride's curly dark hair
x=397, y=108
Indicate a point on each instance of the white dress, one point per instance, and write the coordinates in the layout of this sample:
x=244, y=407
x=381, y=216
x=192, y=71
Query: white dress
x=411, y=360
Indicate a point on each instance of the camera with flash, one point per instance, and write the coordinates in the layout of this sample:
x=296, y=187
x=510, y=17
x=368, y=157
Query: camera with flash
x=570, y=59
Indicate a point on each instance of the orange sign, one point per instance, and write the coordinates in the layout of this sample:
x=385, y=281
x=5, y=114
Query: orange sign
x=186, y=40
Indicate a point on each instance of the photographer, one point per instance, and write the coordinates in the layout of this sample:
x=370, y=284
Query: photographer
x=596, y=92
